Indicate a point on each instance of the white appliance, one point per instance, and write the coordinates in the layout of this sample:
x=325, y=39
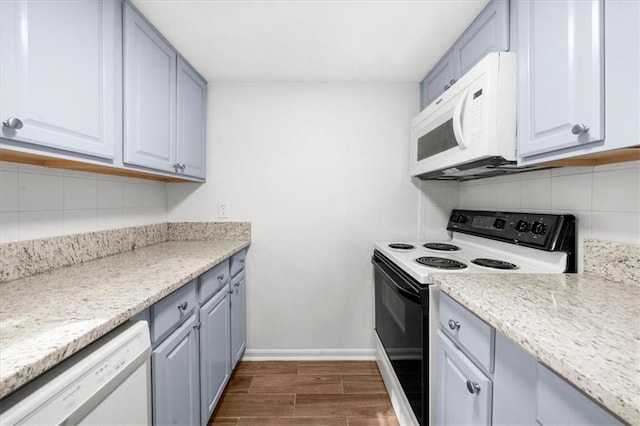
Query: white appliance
x=406, y=302
x=470, y=130
x=107, y=383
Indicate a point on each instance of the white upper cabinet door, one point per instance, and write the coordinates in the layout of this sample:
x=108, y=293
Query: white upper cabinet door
x=192, y=99
x=560, y=75
x=60, y=74
x=149, y=95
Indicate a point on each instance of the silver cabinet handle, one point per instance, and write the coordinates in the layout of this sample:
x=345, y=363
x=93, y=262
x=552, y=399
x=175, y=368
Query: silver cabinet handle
x=183, y=166
x=197, y=326
x=176, y=167
x=183, y=306
x=242, y=261
x=473, y=387
x=236, y=285
x=220, y=277
x=230, y=291
x=579, y=129
x=13, y=123
x=453, y=324
x=452, y=82
x=446, y=87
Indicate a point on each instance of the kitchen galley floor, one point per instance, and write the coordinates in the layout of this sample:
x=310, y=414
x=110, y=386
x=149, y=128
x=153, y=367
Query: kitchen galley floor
x=305, y=393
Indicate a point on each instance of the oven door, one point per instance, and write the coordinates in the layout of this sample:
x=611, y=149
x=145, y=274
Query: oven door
x=401, y=326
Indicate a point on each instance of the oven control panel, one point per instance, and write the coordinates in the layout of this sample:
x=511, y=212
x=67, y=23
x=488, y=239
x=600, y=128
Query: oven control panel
x=531, y=229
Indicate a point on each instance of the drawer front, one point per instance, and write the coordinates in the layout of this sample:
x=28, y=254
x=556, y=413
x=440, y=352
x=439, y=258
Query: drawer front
x=237, y=262
x=168, y=313
x=467, y=331
x=213, y=280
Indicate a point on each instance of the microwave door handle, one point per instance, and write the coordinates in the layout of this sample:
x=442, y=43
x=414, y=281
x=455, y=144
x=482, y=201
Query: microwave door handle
x=457, y=121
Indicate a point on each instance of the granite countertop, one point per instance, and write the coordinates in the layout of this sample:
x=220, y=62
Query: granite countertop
x=584, y=327
x=48, y=317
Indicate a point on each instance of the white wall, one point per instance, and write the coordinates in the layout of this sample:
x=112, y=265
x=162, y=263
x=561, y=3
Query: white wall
x=39, y=202
x=605, y=199
x=321, y=171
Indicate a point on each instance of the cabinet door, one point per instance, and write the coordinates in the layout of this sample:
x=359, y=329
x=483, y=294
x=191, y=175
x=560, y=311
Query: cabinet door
x=215, y=363
x=464, y=392
x=559, y=403
x=438, y=80
x=191, y=109
x=150, y=95
x=176, y=387
x=60, y=74
x=560, y=75
x=488, y=33
x=238, y=318
x=514, y=384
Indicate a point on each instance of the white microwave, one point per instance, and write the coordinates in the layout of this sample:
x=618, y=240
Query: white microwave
x=470, y=130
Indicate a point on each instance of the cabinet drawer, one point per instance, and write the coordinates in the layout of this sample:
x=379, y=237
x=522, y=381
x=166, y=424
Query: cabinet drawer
x=168, y=313
x=467, y=331
x=212, y=280
x=237, y=262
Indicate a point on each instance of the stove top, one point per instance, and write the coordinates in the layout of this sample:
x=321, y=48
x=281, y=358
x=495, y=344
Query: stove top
x=490, y=242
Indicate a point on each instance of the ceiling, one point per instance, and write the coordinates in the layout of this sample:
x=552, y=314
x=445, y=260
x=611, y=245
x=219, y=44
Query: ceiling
x=312, y=41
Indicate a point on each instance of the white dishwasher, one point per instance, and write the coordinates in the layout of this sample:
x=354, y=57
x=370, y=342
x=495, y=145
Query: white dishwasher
x=106, y=383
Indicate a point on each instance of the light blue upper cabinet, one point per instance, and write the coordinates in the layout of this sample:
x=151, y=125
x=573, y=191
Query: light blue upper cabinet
x=149, y=95
x=560, y=75
x=439, y=79
x=489, y=32
x=191, y=125
x=61, y=75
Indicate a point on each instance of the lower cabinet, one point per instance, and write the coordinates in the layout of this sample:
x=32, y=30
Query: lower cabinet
x=215, y=347
x=519, y=390
x=198, y=336
x=238, y=318
x=176, y=383
x=466, y=390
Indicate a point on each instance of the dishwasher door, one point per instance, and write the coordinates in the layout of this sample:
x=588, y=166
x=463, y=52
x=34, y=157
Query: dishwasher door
x=107, y=383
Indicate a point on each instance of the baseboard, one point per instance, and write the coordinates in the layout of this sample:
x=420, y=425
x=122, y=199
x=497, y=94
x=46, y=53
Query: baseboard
x=401, y=406
x=309, y=355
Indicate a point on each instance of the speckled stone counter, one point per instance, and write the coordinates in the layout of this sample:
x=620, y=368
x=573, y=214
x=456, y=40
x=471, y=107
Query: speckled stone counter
x=582, y=326
x=46, y=318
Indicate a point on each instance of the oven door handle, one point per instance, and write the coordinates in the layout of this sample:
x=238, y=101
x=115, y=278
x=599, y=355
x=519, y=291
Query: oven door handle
x=402, y=291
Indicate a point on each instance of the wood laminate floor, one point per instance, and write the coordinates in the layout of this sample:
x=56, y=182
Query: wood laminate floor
x=305, y=393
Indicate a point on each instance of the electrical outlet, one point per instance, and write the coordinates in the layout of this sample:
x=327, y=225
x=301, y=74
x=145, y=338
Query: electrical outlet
x=223, y=210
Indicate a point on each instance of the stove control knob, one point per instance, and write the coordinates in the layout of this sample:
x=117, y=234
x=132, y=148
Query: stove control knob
x=499, y=223
x=462, y=219
x=522, y=226
x=538, y=228
x=454, y=218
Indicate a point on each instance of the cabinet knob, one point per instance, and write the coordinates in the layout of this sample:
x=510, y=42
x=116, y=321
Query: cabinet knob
x=237, y=284
x=242, y=261
x=579, y=129
x=183, y=166
x=446, y=87
x=183, y=306
x=220, y=277
x=13, y=123
x=453, y=324
x=473, y=387
x=452, y=82
x=230, y=291
x=176, y=167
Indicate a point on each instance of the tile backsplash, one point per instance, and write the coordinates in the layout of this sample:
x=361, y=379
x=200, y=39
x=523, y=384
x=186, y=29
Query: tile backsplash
x=605, y=199
x=40, y=202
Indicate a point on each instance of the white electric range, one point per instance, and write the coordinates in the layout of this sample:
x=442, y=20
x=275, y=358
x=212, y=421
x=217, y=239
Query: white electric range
x=407, y=304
